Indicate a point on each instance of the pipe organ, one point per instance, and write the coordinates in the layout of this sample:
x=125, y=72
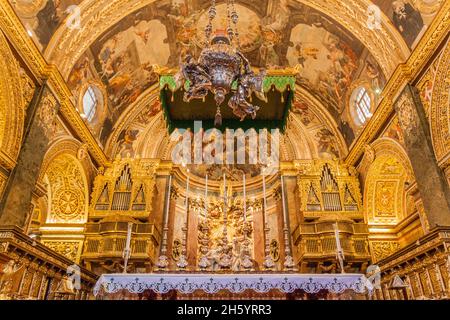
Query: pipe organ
x=329, y=194
x=121, y=194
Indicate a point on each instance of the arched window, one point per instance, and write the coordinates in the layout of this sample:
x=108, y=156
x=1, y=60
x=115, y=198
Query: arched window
x=90, y=103
x=362, y=105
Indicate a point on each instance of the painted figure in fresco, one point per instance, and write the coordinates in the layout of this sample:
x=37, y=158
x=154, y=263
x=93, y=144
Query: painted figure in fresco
x=79, y=74
x=302, y=109
x=272, y=32
x=185, y=28
x=302, y=52
x=343, y=65
x=126, y=148
x=325, y=140
x=49, y=18
x=373, y=74
x=347, y=132
x=407, y=20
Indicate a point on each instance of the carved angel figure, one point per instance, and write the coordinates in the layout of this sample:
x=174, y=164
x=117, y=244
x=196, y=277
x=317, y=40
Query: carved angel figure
x=200, y=81
x=248, y=82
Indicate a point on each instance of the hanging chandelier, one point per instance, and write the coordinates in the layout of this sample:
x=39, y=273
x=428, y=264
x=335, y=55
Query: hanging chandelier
x=222, y=69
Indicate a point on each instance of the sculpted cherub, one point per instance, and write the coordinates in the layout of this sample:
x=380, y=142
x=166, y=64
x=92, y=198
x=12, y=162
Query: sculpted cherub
x=199, y=79
x=248, y=83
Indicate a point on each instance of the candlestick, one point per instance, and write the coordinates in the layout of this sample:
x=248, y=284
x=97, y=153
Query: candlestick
x=245, y=200
x=163, y=260
x=225, y=260
x=288, y=259
x=206, y=197
x=268, y=260
x=339, y=250
x=225, y=200
x=127, y=250
x=246, y=262
x=182, y=261
x=264, y=194
x=187, y=191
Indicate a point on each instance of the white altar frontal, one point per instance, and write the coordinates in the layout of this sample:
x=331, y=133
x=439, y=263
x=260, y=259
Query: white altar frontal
x=242, y=286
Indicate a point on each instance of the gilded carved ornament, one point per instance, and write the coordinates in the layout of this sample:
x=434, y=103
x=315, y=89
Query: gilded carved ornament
x=12, y=106
x=383, y=249
x=436, y=32
x=440, y=109
x=134, y=179
x=407, y=114
x=68, y=197
x=13, y=28
x=46, y=115
x=69, y=249
x=384, y=192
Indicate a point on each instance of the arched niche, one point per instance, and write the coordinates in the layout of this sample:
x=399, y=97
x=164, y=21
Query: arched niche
x=385, y=198
x=67, y=190
x=65, y=175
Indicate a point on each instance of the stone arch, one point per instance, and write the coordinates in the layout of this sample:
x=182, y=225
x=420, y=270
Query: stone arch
x=69, y=146
x=440, y=108
x=11, y=106
x=387, y=174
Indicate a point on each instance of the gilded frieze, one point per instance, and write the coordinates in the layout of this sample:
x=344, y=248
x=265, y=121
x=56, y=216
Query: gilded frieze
x=69, y=249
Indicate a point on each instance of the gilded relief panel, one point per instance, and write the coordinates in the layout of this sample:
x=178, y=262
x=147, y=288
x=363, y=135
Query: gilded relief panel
x=67, y=190
x=385, y=204
x=384, y=191
x=69, y=249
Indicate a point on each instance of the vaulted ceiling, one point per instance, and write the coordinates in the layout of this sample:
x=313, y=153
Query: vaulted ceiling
x=118, y=45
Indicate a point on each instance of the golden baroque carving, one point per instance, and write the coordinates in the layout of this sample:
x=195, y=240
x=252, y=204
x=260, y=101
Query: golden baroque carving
x=69, y=249
x=383, y=249
x=46, y=114
x=16, y=33
x=12, y=110
x=406, y=112
x=436, y=33
x=440, y=108
x=68, y=190
x=3, y=179
x=28, y=87
x=66, y=145
x=384, y=191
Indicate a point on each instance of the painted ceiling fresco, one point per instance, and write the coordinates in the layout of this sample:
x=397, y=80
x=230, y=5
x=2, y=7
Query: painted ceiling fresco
x=43, y=17
x=282, y=34
x=410, y=17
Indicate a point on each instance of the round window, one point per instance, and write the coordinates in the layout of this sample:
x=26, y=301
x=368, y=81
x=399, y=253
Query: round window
x=90, y=103
x=361, y=105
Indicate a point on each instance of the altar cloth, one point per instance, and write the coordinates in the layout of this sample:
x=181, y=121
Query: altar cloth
x=234, y=283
